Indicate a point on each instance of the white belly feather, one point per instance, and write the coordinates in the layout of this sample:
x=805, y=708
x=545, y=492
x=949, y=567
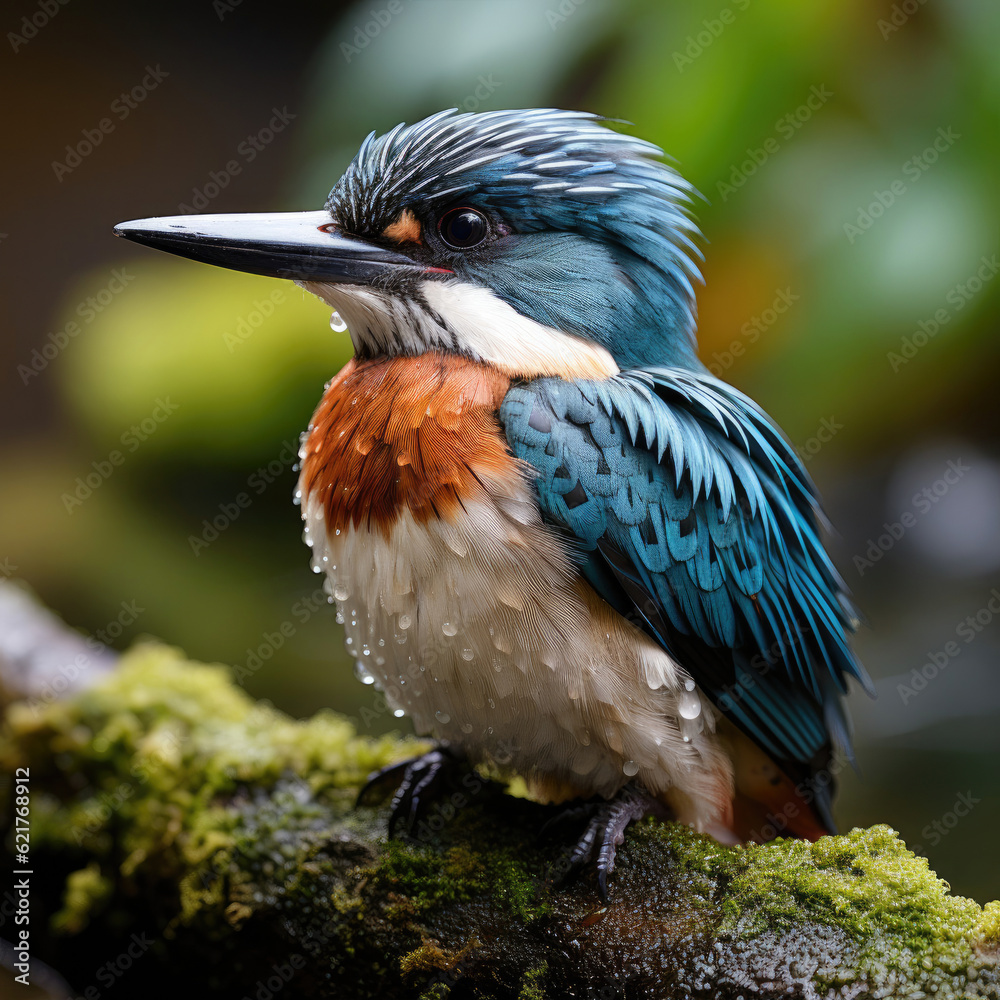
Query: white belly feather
x=484, y=634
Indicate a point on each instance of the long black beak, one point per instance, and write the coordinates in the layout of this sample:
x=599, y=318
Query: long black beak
x=303, y=246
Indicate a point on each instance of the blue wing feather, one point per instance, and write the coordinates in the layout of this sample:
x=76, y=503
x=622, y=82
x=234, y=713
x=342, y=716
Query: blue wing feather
x=697, y=518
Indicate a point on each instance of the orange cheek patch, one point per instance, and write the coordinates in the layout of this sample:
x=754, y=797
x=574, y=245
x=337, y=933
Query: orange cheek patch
x=405, y=433
x=406, y=229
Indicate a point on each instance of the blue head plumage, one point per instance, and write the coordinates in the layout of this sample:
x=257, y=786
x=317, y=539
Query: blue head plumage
x=591, y=231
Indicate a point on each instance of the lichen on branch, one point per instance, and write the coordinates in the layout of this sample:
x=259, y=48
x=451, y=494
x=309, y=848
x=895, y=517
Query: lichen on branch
x=167, y=801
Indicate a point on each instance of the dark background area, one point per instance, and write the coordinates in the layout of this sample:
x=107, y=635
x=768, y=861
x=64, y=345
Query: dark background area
x=837, y=235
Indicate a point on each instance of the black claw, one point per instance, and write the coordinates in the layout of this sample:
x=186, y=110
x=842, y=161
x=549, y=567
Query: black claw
x=399, y=797
x=585, y=845
x=606, y=830
x=383, y=776
x=418, y=780
x=424, y=787
x=602, y=883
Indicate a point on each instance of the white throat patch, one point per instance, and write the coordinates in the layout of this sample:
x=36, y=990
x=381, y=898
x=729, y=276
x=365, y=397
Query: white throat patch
x=467, y=319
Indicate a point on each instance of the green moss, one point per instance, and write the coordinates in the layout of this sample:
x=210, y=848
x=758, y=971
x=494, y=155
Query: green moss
x=531, y=984
x=431, y=957
x=86, y=891
x=165, y=753
x=989, y=927
x=439, y=991
x=166, y=782
x=861, y=882
x=866, y=883
x=515, y=887
x=431, y=879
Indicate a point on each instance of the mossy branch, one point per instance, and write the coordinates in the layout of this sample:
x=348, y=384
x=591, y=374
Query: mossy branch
x=214, y=842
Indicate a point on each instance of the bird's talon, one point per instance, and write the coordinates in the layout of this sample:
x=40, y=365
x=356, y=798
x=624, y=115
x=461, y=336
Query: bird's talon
x=418, y=779
x=382, y=777
x=605, y=831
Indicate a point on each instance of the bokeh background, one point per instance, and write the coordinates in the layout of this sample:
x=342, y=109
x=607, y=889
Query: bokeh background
x=847, y=151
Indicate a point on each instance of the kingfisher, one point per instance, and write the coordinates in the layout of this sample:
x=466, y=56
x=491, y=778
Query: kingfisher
x=557, y=543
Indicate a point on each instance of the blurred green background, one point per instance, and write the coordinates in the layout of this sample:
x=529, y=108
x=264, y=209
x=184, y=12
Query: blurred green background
x=848, y=154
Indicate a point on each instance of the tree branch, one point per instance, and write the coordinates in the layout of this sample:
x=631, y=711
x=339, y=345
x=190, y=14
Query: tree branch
x=188, y=838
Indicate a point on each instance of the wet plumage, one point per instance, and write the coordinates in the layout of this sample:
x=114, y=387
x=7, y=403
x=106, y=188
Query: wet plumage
x=556, y=541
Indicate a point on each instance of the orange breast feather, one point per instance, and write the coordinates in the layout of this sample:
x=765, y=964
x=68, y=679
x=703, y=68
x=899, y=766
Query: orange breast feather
x=405, y=433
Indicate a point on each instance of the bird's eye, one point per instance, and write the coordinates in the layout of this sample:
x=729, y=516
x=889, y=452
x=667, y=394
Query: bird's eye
x=463, y=228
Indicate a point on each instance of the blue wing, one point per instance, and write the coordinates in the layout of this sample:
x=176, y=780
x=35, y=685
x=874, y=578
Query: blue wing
x=698, y=522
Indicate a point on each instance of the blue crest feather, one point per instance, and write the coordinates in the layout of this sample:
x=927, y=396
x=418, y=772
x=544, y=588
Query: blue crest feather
x=614, y=244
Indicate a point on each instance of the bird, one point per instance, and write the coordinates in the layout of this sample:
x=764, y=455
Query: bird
x=558, y=543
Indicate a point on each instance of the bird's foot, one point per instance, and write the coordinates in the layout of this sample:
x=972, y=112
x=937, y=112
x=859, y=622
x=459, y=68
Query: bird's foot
x=418, y=781
x=605, y=829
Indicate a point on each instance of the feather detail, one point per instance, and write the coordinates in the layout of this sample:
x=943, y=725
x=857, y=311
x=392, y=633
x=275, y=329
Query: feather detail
x=705, y=532
x=405, y=433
